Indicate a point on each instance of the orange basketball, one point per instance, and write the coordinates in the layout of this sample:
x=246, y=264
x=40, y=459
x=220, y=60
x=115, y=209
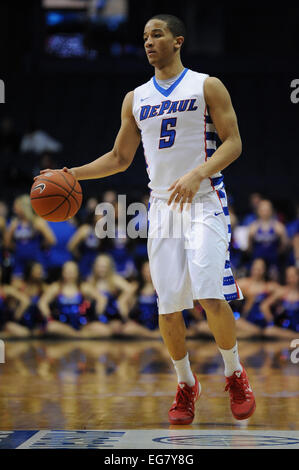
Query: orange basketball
x=56, y=196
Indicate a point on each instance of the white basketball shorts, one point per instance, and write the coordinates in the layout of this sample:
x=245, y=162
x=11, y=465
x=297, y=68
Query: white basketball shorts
x=189, y=252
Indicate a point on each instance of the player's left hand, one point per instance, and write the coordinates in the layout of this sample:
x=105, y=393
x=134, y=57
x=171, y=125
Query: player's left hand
x=184, y=189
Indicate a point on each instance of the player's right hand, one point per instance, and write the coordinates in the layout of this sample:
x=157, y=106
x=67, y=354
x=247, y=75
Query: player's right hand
x=65, y=169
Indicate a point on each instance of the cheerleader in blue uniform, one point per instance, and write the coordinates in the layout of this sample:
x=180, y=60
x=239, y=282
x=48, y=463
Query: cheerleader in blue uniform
x=117, y=291
x=267, y=236
x=67, y=305
x=85, y=245
x=34, y=287
x=27, y=235
x=143, y=317
x=13, y=304
x=284, y=302
x=255, y=290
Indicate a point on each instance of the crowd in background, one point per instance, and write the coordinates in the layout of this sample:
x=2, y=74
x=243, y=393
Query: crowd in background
x=63, y=279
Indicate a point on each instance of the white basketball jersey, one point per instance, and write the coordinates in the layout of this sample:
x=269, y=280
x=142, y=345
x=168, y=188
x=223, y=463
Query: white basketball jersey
x=176, y=130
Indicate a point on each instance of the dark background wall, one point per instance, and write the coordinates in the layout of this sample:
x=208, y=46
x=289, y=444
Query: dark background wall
x=253, y=50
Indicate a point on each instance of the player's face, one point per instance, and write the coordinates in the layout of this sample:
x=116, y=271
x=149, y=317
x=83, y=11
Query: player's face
x=159, y=43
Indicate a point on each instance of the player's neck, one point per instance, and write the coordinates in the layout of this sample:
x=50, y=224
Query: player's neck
x=169, y=70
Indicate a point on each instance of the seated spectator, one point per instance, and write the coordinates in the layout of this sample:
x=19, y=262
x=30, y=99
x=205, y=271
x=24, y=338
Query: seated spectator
x=267, y=236
x=37, y=141
x=255, y=289
x=12, y=307
x=85, y=245
x=26, y=236
x=59, y=253
x=284, y=303
x=67, y=306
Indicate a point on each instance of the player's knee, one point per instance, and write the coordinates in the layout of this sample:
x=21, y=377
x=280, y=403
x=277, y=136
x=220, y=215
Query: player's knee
x=214, y=306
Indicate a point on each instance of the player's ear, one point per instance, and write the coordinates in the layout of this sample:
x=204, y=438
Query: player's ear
x=178, y=42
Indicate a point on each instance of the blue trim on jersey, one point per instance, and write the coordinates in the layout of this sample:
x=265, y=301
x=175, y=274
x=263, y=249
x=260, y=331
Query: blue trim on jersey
x=218, y=179
x=211, y=135
x=228, y=280
x=230, y=297
x=227, y=264
x=208, y=119
x=166, y=92
x=210, y=152
x=221, y=194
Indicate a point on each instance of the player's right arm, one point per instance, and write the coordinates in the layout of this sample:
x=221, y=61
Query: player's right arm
x=123, y=152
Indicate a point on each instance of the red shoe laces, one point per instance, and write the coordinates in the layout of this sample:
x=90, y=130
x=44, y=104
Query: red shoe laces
x=235, y=385
x=183, y=398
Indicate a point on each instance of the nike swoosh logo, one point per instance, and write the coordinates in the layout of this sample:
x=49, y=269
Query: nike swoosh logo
x=142, y=99
x=40, y=186
x=217, y=213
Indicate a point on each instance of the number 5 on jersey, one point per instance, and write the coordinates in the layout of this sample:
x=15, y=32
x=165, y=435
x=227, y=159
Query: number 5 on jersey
x=167, y=136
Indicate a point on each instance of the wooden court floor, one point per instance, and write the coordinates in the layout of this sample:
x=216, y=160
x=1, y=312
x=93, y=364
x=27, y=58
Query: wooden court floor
x=117, y=384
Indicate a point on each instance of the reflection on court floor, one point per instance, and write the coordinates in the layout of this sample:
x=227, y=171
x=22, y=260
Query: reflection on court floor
x=116, y=394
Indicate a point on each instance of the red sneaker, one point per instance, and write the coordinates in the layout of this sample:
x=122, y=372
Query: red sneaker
x=242, y=400
x=182, y=409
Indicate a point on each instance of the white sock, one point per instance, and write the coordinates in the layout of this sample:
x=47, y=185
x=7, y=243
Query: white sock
x=184, y=371
x=231, y=360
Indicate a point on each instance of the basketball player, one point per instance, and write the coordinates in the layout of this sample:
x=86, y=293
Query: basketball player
x=176, y=115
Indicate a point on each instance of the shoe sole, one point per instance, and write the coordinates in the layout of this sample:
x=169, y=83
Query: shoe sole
x=181, y=421
x=250, y=413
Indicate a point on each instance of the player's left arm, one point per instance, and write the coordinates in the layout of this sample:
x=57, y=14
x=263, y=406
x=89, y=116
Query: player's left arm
x=224, y=118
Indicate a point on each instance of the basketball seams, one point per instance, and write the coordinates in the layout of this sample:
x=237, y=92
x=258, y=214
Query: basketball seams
x=68, y=183
x=69, y=208
x=50, y=195
x=70, y=194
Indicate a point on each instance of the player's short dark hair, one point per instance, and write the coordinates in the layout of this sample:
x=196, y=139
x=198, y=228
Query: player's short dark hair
x=174, y=24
